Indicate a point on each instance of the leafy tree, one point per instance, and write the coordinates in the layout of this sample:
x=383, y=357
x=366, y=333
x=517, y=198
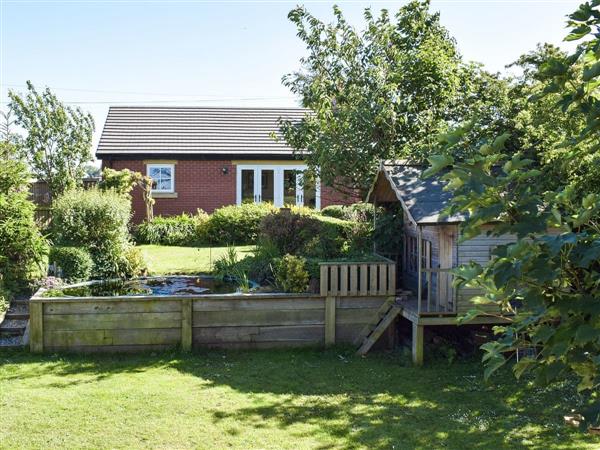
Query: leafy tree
x=9, y=140
x=59, y=138
x=8, y=151
x=22, y=246
x=7, y=123
x=92, y=170
x=123, y=182
x=539, y=129
x=379, y=93
x=550, y=281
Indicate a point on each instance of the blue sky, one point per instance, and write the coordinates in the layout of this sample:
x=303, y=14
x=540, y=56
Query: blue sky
x=230, y=53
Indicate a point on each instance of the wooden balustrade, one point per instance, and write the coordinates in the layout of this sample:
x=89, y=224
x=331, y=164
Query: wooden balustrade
x=358, y=278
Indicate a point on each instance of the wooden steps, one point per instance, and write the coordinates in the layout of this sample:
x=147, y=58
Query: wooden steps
x=369, y=327
x=12, y=330
x=13, y=324
x=381, y=321
x=17, y=316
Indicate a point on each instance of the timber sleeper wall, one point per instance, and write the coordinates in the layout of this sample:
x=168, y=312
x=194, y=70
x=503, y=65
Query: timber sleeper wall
x=222, y=321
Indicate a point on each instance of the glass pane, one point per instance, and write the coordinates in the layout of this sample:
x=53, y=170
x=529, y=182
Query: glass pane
x=289, y=187
x=247, y=186
x=162, y=177
x=267, y=185
x=310, y=191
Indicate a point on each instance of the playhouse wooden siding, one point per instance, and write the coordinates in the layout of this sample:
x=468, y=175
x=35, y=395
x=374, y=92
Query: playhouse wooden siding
x=478, y=249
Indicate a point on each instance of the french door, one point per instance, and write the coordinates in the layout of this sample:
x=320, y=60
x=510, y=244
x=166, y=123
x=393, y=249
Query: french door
x=279, y=185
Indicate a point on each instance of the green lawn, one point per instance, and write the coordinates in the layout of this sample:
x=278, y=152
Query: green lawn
x=183, y=260
x=278, y=399
x=272, y=399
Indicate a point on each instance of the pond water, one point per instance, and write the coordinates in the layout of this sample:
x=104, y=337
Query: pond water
x=172, y=285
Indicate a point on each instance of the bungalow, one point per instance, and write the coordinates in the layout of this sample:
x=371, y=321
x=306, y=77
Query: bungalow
x=203, y=157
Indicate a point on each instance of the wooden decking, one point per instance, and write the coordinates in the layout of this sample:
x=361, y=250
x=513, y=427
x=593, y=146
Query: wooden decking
x=439, y=316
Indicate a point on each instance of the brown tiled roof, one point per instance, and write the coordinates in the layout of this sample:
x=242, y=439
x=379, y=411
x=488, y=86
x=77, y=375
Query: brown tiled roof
x=131, y=130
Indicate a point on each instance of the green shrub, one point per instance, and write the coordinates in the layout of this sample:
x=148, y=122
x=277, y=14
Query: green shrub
x=237, y=224
x=228, y=266
x=5, y=296
x=22, y=247
x=313, y=267
x=291, y=274
x=183, y=230
x=75, y=263
x=121, y=181
x=133, y=263
x=336, y=211
x=379, y=226
x=259, y=265
x=97, y=220
x=363, y=212
x=90, y=217
x=224, y=265
x=304, y=210
x=306, y=235
x=386, y=234
x=357, y=212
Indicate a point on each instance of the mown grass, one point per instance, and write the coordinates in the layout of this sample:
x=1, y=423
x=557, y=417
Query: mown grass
x=163, y=260
x=294, y=399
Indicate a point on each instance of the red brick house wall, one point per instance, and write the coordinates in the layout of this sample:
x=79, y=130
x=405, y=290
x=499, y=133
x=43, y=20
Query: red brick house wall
x=202, y=184
x=330, y=196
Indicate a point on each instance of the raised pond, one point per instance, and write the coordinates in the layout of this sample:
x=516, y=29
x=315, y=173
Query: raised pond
x=148, y=286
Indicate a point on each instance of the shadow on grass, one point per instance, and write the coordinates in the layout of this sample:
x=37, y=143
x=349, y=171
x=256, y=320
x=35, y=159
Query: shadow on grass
x=377, y=402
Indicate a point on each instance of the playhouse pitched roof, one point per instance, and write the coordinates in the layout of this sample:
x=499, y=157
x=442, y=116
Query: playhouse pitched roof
x=423, y=199
x=131, y=130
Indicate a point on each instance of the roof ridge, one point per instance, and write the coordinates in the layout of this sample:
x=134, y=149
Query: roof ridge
x=229, y=108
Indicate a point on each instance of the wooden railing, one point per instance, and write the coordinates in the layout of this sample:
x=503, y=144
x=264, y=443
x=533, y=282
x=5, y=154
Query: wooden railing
x=358, y=278
x=435, y=291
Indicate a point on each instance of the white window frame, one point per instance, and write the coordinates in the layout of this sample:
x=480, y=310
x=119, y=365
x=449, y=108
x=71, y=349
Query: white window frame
x=162, y=166
x=278, y=182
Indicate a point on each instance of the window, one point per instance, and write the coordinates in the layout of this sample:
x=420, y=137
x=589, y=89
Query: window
x=163, y=177
x=411, y=254
x=425, y=254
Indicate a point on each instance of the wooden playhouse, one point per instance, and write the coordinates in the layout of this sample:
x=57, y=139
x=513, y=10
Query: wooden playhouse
x=431, y=249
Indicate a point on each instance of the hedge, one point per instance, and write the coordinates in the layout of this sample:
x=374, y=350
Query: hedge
x=98, y=221
x=75, y=263
x=182, y=230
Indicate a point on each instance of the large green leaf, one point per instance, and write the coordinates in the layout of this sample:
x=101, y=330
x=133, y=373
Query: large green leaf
x=542, y=334
x=583, y=13
x=437, y=163
x=523, y=366
x=468, y=316
x=586, y=333
x=468, y=273
x=591, y=72
x=578, y=33
x=494, y=362
x=586, y=253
